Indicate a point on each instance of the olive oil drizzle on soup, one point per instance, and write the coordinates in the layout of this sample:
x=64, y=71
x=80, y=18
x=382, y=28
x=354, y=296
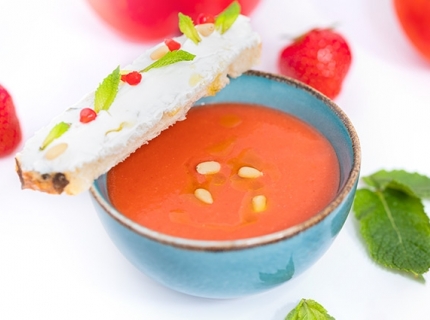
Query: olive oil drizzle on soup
x=229, y=171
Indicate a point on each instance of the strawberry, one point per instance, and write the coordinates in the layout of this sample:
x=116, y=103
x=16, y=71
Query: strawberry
x=320, y=58
x=414, y=18
x=10, y=130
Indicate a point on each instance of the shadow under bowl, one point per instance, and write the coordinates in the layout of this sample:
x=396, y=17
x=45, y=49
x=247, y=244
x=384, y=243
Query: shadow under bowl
x=227, y=269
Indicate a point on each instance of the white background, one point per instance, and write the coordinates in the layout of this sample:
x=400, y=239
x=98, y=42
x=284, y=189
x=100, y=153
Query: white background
x=56, y=261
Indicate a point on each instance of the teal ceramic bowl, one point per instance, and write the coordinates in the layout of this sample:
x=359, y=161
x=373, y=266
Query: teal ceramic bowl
x=226, y=269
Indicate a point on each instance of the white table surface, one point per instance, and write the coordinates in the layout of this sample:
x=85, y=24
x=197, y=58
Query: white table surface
x=57, y=262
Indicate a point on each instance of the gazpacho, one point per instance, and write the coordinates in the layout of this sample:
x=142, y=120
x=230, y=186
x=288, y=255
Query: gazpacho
x=229, y=171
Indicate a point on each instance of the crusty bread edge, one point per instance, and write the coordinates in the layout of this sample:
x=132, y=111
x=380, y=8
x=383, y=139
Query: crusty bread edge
x=75, y=182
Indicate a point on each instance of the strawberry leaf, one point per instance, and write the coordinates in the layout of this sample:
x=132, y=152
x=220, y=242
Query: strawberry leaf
x=187, y=27
x=57, y=131
x=170, y=57
x=393, y=222
x=413, y=184
x=227, y=17
x=107, y=91
x=310, y=310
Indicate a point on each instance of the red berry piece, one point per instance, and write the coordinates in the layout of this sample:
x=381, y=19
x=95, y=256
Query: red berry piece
x=320, y=58
x=172, y=44
x=205, y=18
x=10, y=130
x=133, y=78
x=87, y=115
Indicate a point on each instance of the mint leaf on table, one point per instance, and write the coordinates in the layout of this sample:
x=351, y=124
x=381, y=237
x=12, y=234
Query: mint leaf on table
x=308, y=309
x=393, y=222
x=412, y=183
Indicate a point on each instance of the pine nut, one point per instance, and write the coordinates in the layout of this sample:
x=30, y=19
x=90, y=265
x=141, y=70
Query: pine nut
x=259, y=203
x=249, y=173
x=203, y=195
x=56, y=151
x=159, y=52
x=208, y=167
x=205, y=29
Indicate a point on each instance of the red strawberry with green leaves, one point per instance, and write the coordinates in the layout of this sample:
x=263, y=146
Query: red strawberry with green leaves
x=10, y=130
x=320, y=58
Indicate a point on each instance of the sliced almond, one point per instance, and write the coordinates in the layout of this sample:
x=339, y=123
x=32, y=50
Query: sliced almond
x=259, y=203
x=159, y=52
x=249, y=173
x=203, y=195
x=56, y=151
x=208, y=167
x=205, y=29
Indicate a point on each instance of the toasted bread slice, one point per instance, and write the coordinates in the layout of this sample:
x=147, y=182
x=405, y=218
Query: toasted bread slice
x=73, y=160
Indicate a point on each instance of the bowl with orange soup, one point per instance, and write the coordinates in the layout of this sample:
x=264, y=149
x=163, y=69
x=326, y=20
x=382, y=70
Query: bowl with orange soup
x=245, y=194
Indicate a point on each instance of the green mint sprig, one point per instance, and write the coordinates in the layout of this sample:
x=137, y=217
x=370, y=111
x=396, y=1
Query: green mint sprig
x=393, y=222
x=107, y=91
x=57, y=131
x=310, y=310
x=170, y=57
x=227, y=17
x=187, y=27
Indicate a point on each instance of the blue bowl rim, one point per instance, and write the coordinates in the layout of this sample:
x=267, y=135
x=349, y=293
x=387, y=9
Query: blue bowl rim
x=228, y=245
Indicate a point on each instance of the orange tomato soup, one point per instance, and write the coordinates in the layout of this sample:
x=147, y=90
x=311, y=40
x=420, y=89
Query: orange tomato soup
x=293, y=173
